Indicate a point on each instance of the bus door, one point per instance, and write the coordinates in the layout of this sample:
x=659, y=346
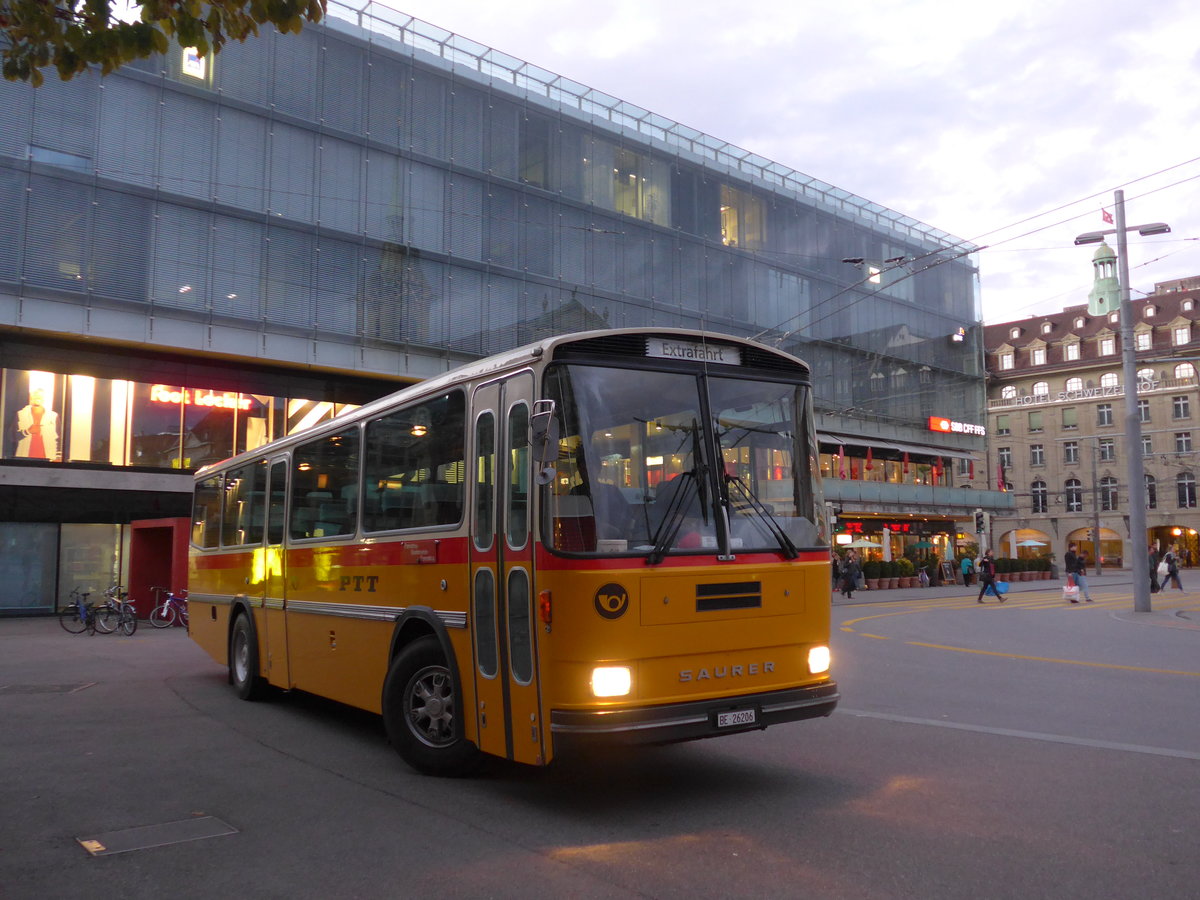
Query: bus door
x=273, y=562
x=504, y=632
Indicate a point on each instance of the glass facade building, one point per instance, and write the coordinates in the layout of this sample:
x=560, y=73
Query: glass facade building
x=200, y=254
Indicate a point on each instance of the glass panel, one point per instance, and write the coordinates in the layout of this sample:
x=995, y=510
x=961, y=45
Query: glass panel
x=278, y=508
x=520, y=634
x=325, y=485
x=486, y=644
x=28, y=554
x=757, y=432
x=485, y=480
x=245, y=505
x=413, y=470
x=518, y=480
x=206, y=512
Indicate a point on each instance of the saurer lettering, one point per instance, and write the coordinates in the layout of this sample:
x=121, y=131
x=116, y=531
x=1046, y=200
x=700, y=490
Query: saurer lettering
x=737, y=671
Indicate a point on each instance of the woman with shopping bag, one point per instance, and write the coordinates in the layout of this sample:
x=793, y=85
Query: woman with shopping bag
x=1071, y=589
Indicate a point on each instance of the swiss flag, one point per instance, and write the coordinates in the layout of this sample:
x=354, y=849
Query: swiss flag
x=1107, y=216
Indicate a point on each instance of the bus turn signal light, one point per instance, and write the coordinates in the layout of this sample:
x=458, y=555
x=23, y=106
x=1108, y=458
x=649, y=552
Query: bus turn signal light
x=544, y=609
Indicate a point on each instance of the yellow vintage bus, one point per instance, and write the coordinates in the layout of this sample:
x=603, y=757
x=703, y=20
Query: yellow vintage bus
x=607, y=536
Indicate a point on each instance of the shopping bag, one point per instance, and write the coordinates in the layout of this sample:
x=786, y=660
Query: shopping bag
x=1071, y=580
x=1163, y=569
x=1001, y=587
x=1071, y=592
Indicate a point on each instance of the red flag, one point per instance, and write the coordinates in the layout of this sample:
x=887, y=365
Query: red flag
x=1107, y=216
x=842, y=463
x=868, y=465
x=1000, y=477
x=854, y=470
x=905, y=462
x=939, y=469
x=971, y=469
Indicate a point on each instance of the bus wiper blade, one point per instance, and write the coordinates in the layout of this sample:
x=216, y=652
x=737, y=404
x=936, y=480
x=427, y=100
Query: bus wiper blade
x=773, y=526
x=673, y=518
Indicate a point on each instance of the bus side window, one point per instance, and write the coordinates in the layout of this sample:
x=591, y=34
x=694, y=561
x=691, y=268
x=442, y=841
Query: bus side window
x=206, y=512
x=321, y=469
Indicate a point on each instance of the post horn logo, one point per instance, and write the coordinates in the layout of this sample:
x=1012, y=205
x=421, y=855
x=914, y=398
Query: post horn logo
x=611, y=601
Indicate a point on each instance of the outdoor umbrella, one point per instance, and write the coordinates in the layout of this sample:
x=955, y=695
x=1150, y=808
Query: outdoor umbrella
x=863, y=543
x=1031, y=543
x=923, y=545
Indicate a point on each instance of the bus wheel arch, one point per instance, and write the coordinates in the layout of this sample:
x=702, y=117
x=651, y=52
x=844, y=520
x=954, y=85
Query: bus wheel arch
x=243, y=655
x=422, y=702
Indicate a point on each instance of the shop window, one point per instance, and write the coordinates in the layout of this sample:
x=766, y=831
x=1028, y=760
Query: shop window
x=32, y=425
x=743, y=221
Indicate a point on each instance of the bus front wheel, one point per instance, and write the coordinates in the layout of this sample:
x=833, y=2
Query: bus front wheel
x=243, y=662
x=422, y=713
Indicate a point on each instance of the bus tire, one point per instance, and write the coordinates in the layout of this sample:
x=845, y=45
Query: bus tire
x=422, y=713
x=243, y=661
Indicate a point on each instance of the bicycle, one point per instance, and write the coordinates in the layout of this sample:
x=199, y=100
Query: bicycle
x=174, y=607
x=79, y=616
x=116, y=613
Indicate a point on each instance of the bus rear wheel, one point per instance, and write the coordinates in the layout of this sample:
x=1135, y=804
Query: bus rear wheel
x=243, y=662
x=422, y=713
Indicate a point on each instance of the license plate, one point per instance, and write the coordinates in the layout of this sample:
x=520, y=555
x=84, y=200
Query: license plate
x=737, y=717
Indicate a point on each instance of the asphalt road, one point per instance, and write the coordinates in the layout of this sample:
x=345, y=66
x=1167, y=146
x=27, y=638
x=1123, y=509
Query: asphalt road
x=1029, y=749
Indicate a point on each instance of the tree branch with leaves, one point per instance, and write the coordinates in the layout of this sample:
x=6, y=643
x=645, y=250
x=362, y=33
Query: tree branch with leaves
x=71, y=36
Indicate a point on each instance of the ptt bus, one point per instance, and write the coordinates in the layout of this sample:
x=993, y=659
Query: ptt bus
x=613, y=535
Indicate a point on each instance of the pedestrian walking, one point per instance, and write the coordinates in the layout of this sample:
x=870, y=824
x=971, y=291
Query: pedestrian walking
x=1154, y=585
x=1076, y=564
x=968, y=570
x=1171, y=558
x=851, y=570
x=987, y=576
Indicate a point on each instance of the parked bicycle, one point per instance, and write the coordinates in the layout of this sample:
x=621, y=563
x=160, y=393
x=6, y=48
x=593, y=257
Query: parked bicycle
x=79, y=615
x=172, y=609
x=116, y=613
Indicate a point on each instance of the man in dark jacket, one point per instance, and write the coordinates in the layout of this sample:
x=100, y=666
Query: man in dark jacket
x=1076, y=564
x=987, y=576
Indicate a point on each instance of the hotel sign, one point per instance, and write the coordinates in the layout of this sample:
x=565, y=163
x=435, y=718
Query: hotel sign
x=1088, y=393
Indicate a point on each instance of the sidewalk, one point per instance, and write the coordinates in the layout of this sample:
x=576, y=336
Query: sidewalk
x=1119, y=579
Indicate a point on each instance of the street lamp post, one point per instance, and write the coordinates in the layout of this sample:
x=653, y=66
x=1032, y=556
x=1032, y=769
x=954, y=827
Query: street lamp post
x=1133, y=424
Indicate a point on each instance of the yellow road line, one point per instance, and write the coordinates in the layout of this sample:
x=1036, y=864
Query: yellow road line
x=1050, y=659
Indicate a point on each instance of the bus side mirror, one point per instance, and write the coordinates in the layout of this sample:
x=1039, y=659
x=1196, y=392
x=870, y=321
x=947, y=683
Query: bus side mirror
x=543, y=439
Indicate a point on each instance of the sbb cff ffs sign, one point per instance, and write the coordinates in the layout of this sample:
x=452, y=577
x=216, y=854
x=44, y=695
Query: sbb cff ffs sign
x=949, y=426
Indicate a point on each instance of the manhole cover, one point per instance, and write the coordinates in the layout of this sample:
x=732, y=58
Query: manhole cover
x=44, y=688
x=155, y=835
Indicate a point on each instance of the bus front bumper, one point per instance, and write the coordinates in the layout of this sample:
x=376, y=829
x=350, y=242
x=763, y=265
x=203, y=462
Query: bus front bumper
x=693, y=720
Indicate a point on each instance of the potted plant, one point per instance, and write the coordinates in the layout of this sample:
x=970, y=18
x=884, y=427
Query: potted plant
x=871, y=573
x=908, y=576
x=894, y=573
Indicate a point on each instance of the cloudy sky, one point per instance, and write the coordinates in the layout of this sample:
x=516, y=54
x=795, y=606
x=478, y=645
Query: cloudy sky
x=1008, y=124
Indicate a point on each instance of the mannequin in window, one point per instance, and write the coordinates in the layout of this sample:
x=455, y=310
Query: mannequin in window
x=37, y=428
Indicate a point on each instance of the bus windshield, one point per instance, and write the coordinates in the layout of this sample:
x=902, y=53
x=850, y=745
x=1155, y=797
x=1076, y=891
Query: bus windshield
x=655, y=463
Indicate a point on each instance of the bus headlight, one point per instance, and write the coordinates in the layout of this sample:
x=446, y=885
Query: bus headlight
x=611, y=681
x=818, y=660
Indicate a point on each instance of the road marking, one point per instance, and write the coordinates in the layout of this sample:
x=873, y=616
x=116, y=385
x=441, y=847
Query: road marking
x=1050, y=659
x=1029, y=735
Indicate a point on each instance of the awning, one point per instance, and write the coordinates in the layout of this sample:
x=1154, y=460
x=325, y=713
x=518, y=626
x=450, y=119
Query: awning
x=831, y=437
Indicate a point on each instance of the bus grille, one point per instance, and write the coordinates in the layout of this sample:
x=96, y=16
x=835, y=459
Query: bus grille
x=734, y=595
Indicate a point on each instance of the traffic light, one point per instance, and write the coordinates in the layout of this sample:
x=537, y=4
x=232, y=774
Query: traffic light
x=980, y=521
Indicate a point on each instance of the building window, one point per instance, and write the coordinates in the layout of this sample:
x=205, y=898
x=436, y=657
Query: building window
x=1143, y=340
x=1108, y=449
x=1149, y=311
x=1074, y=384
x=1108, y=346
x=743, y=219
x=1074, y=495
x=1147, y=445
x=1037, y=356
x=1181, y=334
x=1071, y=351
x=1183, y=442
x=1041, y=390
x=1185, y=490
x=1070, y=417
x=1185, y=371
x=1143, y=409
x=1005, y=456
x=1151, y=492
x=1145, y=375
x=1039, y=496
x=1002, y=426
x=1006, y=360
x=1047, y=327
x=1181, y=408
x=1037, y=454
x=1008, y=392
x=1108, y=493
x=1014, y=333
x=1080, y=322
x=1110, y=380
x=1035, y=421
x=1104, y=414
x=1070, y=452
x=1186, y=306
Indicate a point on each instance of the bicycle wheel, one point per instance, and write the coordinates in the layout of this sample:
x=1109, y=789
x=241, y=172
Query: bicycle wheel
x=71, y=620
x=162, y=616
x=129, y=622
x=106, y=619
x=182, y=610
